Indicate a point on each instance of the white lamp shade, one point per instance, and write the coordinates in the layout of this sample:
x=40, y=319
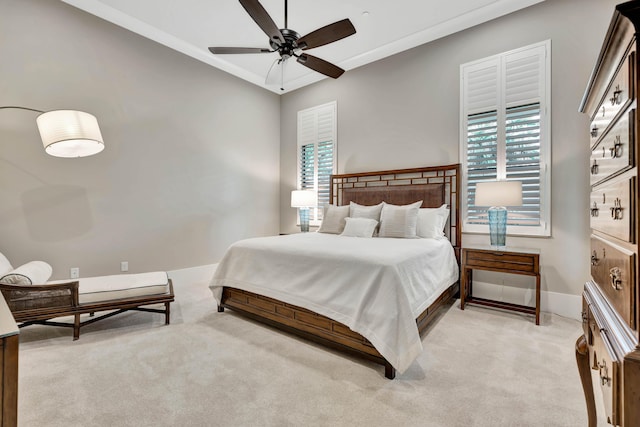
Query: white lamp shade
x=303, y=198
x=69, y=133
x=499, y=193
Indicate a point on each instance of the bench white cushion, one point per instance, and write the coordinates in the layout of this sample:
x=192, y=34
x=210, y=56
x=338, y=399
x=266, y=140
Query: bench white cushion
x=120, y=286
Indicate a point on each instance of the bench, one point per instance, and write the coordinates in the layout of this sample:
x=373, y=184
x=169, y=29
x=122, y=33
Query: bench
x=39, y=304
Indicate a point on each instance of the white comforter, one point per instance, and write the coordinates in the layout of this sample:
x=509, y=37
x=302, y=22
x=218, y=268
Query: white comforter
x=375, y=286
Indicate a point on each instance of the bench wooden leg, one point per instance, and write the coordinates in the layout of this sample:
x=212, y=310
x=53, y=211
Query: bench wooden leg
x=76, y=327
x=167, y=313
x=220, y=309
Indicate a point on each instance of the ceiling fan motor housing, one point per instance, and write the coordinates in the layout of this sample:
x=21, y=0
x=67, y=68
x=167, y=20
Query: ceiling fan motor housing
x=286, y=50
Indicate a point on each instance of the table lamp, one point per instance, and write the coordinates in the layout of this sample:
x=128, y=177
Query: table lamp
x=303, y=200
x=497, y=195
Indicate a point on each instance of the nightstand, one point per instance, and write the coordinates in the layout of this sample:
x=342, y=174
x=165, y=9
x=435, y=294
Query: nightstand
x=508, y=260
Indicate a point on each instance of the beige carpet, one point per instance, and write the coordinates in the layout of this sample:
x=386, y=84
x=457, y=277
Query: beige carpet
x=480, y=367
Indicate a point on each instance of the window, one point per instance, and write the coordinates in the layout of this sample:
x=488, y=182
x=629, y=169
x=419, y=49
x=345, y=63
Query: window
x=317, y=153
x=505, y=124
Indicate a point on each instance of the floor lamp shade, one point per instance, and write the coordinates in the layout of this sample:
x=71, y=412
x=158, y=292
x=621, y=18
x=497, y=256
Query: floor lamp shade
x=70, y=133
x=303, y=200
x=497, y=195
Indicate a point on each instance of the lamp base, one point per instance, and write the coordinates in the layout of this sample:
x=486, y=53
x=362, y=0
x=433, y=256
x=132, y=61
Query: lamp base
x=497, y=225
x=304, y=219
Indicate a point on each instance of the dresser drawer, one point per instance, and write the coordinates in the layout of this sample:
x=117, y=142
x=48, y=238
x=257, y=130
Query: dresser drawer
x=618, y=96
x=606, y=369
x=500, y=261
x=613, y=269
x=611, y=209
x=614, y=154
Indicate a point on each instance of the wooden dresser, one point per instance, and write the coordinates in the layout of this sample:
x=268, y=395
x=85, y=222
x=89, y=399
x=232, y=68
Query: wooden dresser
x=8, y=367
x=608, y=354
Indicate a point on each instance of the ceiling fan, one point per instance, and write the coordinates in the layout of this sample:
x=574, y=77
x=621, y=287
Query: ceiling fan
x=289, y=43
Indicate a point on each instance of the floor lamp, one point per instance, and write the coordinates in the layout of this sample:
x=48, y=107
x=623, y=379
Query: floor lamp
x=67, y=133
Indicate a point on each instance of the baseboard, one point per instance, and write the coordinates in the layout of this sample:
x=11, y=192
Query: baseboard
x=202, y=273
x=564, y=305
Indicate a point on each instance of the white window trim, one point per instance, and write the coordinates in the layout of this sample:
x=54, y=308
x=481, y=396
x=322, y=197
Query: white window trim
x=544, y=229
x=313, y=212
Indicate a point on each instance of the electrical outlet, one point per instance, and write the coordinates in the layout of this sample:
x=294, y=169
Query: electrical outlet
x=74, y=273
x=124, y=266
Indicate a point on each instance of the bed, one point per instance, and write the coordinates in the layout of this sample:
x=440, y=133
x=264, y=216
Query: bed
x=370, y=297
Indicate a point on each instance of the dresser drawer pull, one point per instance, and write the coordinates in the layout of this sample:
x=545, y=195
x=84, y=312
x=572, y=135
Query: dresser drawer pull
x=585, y=317
x=616, y=98
x=615, y=276
x=594, y=131
x=594, y=258
x=595, y=211
x=594, y=167
x=616, y=210
x=616, y=150
x=604, y=378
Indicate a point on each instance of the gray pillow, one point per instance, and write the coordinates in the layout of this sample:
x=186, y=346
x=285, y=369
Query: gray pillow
x=333, y=220
x=399, y=221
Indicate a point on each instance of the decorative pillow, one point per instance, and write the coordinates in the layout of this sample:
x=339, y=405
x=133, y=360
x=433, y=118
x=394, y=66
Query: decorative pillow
x=5, y=265
x=362, y=211
x=333, y=219
x=34, y=272
x=431, y=222
x=359, y=227
x=399, y=221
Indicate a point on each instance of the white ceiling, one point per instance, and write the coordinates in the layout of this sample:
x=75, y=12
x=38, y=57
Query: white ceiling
x=383, y=28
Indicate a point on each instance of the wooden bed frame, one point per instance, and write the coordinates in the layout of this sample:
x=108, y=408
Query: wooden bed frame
x=434, y=185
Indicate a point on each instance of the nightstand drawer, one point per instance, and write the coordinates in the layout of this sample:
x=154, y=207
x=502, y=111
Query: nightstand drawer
x=501, y=261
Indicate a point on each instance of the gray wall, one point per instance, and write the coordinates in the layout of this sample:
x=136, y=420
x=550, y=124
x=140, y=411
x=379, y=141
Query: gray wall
x=403, y=112
x=192, y=153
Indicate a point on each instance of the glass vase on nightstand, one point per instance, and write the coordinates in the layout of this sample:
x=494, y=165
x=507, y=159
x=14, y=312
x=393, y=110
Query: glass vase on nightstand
x=304, y=219
x=498, y=226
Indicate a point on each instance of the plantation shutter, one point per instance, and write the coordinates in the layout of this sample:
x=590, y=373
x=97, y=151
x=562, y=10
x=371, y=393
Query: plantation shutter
x=317, y=153
x=503, y=99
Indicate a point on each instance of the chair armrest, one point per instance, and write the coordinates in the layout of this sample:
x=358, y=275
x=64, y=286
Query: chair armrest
x=22, y=298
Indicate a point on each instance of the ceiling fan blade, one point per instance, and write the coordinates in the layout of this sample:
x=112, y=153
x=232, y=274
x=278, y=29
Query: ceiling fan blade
x=328, y=34
x=225, y=50
x=320, y=65
x=262, y=18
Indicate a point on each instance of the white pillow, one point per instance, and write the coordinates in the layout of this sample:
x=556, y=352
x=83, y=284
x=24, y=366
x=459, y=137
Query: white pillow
x=5, y=265
x=34, y=272
x=333, y=219
x=359, y=227
x=431, y=222
x=362, y=211
x=399, y=221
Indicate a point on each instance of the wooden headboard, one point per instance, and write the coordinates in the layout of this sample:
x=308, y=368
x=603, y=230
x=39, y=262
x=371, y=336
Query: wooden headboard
x=434, y=185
